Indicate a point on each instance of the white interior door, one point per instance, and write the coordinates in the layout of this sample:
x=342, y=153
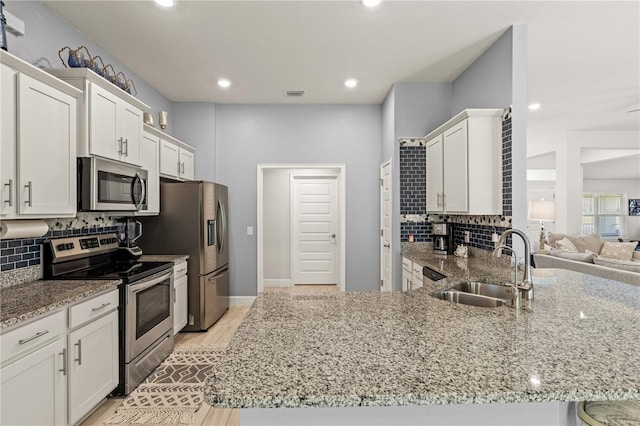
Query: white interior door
x=315, y=227
x=385, y=227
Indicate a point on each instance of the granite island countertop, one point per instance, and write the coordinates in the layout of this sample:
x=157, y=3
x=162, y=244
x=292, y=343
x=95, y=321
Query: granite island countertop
x=577, y=340
x=22, y=302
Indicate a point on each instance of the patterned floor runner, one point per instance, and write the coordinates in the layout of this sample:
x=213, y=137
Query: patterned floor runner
x=173, y=392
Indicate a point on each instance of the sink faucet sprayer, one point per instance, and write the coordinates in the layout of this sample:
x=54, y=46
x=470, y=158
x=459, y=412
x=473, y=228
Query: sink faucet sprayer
x=527, y=282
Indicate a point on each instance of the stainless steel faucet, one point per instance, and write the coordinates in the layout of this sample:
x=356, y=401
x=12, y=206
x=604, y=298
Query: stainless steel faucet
x=527, y=283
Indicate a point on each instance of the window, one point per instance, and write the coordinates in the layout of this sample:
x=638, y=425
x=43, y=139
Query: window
x=604, y=214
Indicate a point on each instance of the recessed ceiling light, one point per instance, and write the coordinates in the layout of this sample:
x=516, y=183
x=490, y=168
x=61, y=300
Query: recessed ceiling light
x=223, y=82
x=371, y=3
x=534, y=106
x=351, y=83
x=165, y=3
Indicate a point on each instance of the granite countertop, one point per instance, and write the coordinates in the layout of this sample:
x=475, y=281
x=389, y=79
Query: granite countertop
x=22, y=302
x=578, y=340
x=175, y=258
x=481, y=265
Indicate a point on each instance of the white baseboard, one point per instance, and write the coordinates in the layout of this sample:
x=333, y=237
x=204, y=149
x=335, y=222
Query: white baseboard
x=277, y=282
x=241, y=300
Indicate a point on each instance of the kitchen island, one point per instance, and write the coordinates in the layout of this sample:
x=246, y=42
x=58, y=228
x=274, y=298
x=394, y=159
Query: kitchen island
x=413, y=356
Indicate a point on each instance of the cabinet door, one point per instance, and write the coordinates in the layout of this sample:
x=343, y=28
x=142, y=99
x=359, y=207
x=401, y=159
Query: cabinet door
x=150, y=160
x=406, y=280
x=187, y=166
x=169, y=159
x=180, y=304
x=434, y=175
x=46, y=149
x=130, y=130
x=34, y=388
x=103, y=124
x=455, y=165
x=8, y=104
x=93, y=364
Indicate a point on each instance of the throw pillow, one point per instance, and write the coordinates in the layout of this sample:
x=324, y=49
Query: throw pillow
x=620, y=251
x=623, y=265
x=578, y=257
x=566, y=245
x=593, y=242
x=636, y=254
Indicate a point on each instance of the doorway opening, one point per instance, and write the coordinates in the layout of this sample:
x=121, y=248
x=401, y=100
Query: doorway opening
x=301, y=225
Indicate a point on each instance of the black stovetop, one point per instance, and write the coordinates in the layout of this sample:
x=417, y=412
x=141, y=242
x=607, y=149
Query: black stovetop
x=127, y=271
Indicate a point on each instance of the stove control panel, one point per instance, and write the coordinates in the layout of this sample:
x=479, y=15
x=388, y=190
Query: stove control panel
x=76, y=247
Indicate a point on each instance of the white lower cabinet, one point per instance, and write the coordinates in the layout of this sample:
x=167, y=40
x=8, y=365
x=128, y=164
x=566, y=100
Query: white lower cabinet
x=180, y=301
x=93, y=364
x=407, y=273
x=54, y=374
x=34, y=388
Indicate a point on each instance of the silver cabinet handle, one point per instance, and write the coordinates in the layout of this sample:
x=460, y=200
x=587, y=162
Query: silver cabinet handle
x=34, y=337
x=79, y=345
x=64, y=361
x=438, y=199
x=30, y=187
x=104, y=305
x=180, y=271
x=10, y=185
x=125, y=142
x=178, y=168
x=120, y=146
x=183, y=167
x=174, y=295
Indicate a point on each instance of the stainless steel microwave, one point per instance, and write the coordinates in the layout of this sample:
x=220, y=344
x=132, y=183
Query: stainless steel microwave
x=105, y=185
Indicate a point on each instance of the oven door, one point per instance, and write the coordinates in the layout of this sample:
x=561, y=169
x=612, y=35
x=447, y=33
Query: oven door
x=149, y=312
x=106, y=185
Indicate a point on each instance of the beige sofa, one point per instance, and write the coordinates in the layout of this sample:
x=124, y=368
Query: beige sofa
x=588, y=258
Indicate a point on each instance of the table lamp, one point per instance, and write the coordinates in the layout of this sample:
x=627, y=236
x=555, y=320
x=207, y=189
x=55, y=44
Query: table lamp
x=544, y=211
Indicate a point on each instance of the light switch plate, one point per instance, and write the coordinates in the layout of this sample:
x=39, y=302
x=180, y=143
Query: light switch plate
x=249, y=230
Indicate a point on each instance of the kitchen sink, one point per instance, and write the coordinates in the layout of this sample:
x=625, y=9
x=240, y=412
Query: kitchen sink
x=485, y=289
x=471, y=299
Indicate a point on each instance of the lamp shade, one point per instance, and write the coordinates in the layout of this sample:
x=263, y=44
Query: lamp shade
x=542, y=210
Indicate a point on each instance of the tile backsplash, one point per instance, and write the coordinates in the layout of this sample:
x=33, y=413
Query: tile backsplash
x=25, y=252
x=413, y=190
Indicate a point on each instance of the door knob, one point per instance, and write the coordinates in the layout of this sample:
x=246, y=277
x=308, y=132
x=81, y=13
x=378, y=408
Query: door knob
x=387, y=245
x=333, y=235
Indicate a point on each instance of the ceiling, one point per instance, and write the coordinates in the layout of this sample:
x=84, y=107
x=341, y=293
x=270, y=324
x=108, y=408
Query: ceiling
x=584, y=56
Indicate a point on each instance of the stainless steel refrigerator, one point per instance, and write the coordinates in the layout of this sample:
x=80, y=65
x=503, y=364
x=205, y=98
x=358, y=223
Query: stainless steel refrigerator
x=193, y=220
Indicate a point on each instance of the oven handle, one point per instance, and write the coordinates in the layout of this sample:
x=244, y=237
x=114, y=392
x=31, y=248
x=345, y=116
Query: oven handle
x=151, y=282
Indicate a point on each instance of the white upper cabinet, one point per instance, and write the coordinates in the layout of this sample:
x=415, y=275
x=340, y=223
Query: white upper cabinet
x=464, y=164
x=110, y=118
x=39, y=137
x=177, y=159
x=150, y=160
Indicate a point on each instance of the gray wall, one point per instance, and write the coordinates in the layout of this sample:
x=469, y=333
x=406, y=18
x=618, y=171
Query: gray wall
x=247, y=135
x=195, y=124
x=46, y=33
x=486, y=83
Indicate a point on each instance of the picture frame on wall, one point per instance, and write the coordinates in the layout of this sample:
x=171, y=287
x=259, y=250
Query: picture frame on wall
x=634, y=207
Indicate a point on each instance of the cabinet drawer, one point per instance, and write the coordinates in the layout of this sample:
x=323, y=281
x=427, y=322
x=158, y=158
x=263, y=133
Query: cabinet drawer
x=406, y=263
x=92, y=308
x=32, y=335
x=179, y=270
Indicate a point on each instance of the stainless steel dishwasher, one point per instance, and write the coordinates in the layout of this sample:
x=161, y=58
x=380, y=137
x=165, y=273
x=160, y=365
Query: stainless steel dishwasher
x=429, y=276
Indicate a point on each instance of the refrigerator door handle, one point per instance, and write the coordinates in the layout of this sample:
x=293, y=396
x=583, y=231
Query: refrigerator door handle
x=222, y=218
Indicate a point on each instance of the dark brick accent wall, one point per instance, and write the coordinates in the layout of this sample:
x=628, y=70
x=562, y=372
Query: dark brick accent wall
x=421, y=231
x=23, y=252
x=479, y=235
x=413, y=180
x=507, y=177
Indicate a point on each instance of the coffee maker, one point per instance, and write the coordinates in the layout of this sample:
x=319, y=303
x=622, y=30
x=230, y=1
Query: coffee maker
x=132, y=231
x=443, y=238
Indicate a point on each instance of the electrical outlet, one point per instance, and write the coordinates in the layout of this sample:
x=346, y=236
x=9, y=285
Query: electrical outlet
x=249, y=230
x=466, y=236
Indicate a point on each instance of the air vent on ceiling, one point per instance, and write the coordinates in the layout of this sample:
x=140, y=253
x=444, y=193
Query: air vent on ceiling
x=294, y=93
